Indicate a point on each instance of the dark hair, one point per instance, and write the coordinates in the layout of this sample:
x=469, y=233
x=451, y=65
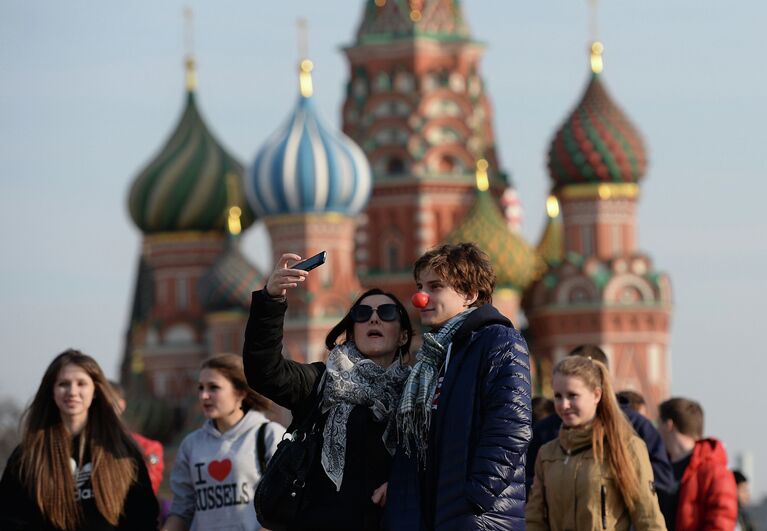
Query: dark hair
x=632, y=399
x=542, y=408
x=46, y=449
x=464, y=267
x=686, y=414
x=740, y=477
x=345, y=326
x=591, y=351
x=230, y=366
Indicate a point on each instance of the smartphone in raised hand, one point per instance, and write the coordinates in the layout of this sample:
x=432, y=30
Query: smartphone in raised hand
x=310, y=263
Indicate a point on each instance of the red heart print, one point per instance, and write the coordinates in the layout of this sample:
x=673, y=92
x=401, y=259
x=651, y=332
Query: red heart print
x=218, y=470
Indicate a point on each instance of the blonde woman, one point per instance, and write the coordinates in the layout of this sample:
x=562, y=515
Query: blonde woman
x=597, y=475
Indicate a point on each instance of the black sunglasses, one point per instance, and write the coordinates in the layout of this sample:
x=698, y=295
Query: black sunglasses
x=362, y=312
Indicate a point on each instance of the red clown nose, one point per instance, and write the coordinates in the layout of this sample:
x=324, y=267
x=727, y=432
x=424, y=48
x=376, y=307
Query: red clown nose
x=419, y=299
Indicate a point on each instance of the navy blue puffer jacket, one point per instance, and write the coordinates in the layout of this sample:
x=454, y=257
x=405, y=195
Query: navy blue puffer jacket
x=474, y=477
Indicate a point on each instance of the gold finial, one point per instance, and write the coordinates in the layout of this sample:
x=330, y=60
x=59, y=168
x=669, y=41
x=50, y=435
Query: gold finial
x=415, y=15
x=597, y=64
x=233, y=223
x=305, y=66
x=380, y=3
x=191, y=75
x=137, y=362
x=483, y=183
x=552, y=206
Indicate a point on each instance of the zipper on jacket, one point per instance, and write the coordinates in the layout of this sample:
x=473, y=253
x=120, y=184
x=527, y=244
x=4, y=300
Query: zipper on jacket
x=603, y=495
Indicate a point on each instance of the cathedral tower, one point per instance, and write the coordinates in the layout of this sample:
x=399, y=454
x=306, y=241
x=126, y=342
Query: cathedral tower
x=599, y=287
x=309, y=183
x=179, y=202
x=417, y=105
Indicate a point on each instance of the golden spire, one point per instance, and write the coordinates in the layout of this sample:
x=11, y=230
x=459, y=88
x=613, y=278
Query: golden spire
x=552, y=206
x=233, y=223
x=305, y=66
x=483, y=183
x=191, y=74
x=597, y=65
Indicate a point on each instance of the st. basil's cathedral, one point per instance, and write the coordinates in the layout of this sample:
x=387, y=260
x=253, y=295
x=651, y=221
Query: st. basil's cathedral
x=414, y=166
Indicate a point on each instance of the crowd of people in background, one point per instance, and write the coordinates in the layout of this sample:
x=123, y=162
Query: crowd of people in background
x=449, y=439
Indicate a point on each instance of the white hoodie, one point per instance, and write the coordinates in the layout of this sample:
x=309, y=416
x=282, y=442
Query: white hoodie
x=215, y=474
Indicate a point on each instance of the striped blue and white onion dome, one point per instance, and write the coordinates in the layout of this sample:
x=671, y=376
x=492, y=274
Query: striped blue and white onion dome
x=307, y=167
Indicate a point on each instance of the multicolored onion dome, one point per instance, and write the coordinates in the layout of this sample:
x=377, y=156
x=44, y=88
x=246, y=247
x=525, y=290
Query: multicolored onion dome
x=228, y=284
x=185, y=186
x=307, y=167
x=515, y=262
x=597, y=143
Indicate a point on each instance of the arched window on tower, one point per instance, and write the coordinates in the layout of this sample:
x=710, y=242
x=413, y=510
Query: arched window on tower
x=395, y=166
x=392, y=251
x=449, y=164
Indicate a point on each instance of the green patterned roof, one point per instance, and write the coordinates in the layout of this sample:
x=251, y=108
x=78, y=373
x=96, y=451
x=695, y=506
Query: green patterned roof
x=515, y=262
x=185, y=186
x=597, y=143
x=228, y=285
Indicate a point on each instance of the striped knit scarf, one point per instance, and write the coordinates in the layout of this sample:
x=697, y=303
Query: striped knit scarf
x=414, y=414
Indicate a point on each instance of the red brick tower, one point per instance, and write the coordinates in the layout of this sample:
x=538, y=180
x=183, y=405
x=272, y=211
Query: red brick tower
x=418, y=107
x=600, y=288
x=309, y=183
x=179, y=202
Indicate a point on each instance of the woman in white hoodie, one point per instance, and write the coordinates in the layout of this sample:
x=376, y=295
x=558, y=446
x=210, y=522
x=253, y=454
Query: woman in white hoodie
x=217, y=466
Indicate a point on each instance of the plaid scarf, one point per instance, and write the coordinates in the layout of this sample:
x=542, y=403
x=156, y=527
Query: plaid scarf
x=414, y=414
x=353, y=380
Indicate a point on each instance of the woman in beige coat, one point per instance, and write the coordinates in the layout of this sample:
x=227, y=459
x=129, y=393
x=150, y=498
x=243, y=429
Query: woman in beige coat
x=597, y=475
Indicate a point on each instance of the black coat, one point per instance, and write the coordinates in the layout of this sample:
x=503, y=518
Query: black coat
x=20, y=512
x=475, y=470
x=294, y=386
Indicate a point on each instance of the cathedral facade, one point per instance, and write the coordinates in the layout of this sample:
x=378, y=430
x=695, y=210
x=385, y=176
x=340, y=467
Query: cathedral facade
x=415, y=165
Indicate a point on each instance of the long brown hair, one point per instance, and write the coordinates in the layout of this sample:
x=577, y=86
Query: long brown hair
x=230, y=366
x=610, y=427
x=46, y=449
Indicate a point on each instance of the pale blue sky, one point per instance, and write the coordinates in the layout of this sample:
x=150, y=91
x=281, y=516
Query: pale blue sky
x=90, y=90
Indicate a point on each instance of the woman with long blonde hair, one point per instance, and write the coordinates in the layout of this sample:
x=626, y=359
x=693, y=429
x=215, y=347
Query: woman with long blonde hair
x=77, y=467
x=597, y=475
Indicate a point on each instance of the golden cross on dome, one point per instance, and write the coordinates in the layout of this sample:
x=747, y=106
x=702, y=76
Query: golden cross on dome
x=596, y=49
x=191, y=76
x=305, y=65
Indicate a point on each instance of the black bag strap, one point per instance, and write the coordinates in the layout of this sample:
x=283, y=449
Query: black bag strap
x=309, y=423
x=261, y=447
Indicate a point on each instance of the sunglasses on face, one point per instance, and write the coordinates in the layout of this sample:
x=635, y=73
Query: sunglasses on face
x=362, y=312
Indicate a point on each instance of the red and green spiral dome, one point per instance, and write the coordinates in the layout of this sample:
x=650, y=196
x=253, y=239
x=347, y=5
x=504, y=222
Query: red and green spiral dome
x=597, y=143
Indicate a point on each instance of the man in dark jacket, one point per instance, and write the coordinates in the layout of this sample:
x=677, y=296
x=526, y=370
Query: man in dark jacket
x=548, y=429
x=464, y=417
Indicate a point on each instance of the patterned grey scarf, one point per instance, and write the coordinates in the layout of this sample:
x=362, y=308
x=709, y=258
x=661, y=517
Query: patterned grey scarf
x=414, y=413
x=353, y=380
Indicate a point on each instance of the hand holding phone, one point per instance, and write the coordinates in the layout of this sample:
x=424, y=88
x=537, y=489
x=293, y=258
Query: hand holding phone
x=310, y=263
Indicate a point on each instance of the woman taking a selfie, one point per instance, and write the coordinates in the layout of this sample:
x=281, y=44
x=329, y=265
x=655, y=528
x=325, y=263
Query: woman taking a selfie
x=354, y=395
x=597, y=475
x=77, y=468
